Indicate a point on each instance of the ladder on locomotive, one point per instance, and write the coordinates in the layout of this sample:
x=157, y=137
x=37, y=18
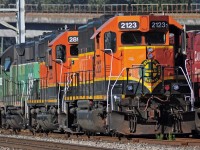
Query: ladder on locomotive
x=69, y=82
x=86, y=79
x=79, y=84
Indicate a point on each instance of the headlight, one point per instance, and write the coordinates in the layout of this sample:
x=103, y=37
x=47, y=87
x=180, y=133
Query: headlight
x=149, y=50
x=176, y=87
x=150, y=56
x=130, y=87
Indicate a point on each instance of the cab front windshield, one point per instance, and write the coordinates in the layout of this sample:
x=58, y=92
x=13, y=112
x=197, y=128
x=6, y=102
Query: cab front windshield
x=154, y=38
x=131, y=38
x=74, y=50
x=135, y=38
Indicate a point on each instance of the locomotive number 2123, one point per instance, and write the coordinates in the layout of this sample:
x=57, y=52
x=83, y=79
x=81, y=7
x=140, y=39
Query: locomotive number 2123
x=128, y=25
x=158, y=25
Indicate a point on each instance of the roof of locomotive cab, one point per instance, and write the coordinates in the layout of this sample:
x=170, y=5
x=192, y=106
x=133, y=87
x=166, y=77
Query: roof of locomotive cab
x=61, y=35
x=95, y=22
x=150, y=17
x=101, y=27
x=58, y=37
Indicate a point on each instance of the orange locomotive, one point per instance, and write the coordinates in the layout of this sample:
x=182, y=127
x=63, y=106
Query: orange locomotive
x=116, y=75
x=130, y=79
x=61, y=57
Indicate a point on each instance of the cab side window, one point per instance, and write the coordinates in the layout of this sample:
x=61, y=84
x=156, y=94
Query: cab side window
x=61, y=52
x=110, y=41
x=49, y=58
x=7, y=64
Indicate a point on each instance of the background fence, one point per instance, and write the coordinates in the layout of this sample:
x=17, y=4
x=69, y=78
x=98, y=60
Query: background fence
x=109, y=8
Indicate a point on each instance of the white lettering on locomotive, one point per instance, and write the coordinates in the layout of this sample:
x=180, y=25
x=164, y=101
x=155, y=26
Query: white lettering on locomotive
x=30, y=83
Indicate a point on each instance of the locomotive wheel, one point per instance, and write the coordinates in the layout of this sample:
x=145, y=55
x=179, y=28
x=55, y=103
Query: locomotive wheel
x=33, y=131
x=119, y=136
x=38, y=128
x=7, y=126
x=46, y=133
x=67, y=135
x=88, y=134
x=15, y=131
x=128, y=137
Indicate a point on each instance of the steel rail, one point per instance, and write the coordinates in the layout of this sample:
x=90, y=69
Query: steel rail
x=28, y=144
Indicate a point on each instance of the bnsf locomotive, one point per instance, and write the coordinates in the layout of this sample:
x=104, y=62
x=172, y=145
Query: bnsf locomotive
x=127, y=75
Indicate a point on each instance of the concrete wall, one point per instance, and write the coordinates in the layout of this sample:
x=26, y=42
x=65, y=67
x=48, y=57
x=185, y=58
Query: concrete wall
x=52, y=19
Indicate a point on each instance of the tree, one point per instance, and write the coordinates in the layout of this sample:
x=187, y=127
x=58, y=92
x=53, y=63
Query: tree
x=77, y=1
x=100, y=2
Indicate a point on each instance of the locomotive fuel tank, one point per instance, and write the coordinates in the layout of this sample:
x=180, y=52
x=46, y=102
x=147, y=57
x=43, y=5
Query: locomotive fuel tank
x=90, y=119
x=14, y=118
x=47, y=120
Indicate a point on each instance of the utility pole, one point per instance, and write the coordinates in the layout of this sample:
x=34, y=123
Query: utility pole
x=20, y=20
x=1, y=50
x=20, y=4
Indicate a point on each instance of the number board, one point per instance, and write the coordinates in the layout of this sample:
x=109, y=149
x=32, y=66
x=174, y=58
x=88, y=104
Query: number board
x=128, y=25
x=158, y=25
x=73, y=39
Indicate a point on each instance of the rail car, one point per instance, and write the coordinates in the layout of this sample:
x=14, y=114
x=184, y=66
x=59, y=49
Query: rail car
x=131, y=80
x=20, y=68
x=193, y=59
x=193, y=68
x=127, y=75
x=47, y=112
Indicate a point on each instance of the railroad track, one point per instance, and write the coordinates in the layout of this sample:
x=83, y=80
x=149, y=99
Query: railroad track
x=27, y=144
x=43, y=142
x=177, y=142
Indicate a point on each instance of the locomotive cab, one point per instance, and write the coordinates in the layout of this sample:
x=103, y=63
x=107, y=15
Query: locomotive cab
x=145, y=37
x=143, y=75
